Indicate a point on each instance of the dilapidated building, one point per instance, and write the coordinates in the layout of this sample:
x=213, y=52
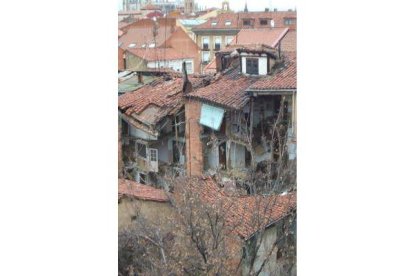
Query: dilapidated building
x=153, y=125
x=231, y=123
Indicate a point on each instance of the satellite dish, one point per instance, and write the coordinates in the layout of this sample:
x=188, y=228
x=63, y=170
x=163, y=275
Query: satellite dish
x=272, y=23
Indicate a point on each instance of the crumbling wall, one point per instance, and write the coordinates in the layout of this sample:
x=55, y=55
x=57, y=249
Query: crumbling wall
x=130, y=209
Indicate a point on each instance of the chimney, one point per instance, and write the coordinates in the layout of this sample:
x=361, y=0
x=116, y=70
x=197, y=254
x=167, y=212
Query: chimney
x=275, y=10
x=266, y=9
x=187, y=86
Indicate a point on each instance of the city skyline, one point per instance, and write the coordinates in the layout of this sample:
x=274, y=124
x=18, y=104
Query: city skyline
x=238, y=5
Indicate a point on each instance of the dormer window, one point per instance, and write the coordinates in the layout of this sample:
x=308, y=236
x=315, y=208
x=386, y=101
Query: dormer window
x=213, y=23
x=263, y=22
x=143, y=45
x=227, y=23
x=151, y=45
x=132, y=45
x=252, y=66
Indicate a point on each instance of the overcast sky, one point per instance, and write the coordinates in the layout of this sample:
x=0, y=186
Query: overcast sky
x=238, y=5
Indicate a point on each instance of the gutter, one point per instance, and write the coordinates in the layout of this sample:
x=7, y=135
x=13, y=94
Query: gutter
x=257, y=92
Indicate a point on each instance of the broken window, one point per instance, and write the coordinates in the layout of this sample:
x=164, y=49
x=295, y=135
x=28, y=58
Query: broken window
x=141, y=150
x=252, y=66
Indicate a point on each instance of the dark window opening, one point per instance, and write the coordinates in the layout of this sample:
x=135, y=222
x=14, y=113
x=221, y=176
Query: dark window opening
x=263, y=22
x=142, y=178
x=125, y=128
x=248, y=158
x=246, y=22
x=217, y=46
x=252, y=66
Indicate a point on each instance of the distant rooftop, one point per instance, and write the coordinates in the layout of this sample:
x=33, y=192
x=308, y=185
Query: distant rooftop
x=192, y=22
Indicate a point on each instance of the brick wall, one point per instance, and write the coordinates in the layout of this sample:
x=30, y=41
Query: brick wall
x=194, y=147
x=120, y=162
x=121, y=64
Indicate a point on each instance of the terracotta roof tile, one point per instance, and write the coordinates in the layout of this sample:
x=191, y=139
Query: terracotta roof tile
x=154, y=54
x=167, y=96
x=289, y=42
x=246, y=214
x=140, y=35
x=128, y=188
x=284, y=78
x=236, y=20
x=228, y=90
x=268, y=36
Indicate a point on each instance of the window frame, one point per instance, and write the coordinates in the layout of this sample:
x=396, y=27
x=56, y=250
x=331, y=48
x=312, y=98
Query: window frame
x=247, y=20
x=202, y=57
x=251, y=69
x=215, y=43
x=189, y=65
x=203, y=42
x=263, y=20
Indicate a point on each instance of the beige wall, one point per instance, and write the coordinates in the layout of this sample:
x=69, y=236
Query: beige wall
x=212, y=38
x=134, y=63
x=153, y=211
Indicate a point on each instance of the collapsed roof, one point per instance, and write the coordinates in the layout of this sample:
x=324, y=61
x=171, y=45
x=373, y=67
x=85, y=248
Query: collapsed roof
x=145, y=107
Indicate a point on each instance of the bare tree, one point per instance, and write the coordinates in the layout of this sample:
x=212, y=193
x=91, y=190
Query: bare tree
x=208, y=236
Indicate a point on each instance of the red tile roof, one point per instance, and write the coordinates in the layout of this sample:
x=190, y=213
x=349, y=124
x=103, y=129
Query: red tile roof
x=154, y=54
x=246, y=214
x=284, y=78
x=236, y=20
x=289, y=42
x=228, y=90
x=128, y=188
x=140, y=35
x=166, y=96
x=269, y=36
x=211, y=67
